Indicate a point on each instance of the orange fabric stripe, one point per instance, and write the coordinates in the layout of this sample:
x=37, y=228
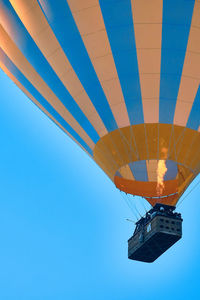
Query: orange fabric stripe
x=148, y=189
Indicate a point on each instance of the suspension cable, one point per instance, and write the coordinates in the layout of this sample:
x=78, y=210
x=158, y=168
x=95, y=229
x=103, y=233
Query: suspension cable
x=128, y=204
x=188, y=193
x=133, y=202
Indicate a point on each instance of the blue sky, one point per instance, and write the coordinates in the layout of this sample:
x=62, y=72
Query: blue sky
x=63, y=233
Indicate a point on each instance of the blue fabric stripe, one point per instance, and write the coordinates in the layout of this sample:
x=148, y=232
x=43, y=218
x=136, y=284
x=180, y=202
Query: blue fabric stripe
x=194, y=117
x=172, y=170
x=118, y=20
x=118, y=174
x=31, y=89
x=30, y=50
x=177, y=16
x=62, y=23
x=139, y=170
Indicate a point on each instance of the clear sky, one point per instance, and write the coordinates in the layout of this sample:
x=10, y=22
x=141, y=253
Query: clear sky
x=63, y=233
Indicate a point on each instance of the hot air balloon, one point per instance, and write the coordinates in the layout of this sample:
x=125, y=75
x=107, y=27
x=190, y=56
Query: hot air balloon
x=121, y=78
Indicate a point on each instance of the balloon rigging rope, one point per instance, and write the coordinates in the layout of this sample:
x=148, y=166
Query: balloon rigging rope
x=135, y=208
x=129, y=205
x=188, y=193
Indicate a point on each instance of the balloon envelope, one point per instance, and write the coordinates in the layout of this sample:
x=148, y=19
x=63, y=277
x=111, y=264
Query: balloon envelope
x=121, y=78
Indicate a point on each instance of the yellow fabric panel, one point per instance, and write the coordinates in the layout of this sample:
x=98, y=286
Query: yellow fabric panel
x=140, y=138
x=105, y=153
x=164, y=132
x=119, y=150
x=114, y=151
x=183, y=174
x=128, y=138
x=102, y=164
x=194, y=158
x=185, y=177
x=177, y=133
x=186, y=147
x=191, y=143
x=152, y=140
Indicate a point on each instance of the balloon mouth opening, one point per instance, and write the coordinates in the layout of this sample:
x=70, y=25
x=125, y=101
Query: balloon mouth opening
x=155, y=180
x=148, y=190
x=149, y=170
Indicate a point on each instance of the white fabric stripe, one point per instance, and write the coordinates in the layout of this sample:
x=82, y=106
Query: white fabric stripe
x=152, y=169
x=39, y=29
x=191, y=72
x=125, y=171
x=88, y=17
x=29, y=72
x=147, y=20
x=11, y=76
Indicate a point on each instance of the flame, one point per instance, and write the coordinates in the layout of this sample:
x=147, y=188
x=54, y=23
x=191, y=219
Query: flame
x=161, y=171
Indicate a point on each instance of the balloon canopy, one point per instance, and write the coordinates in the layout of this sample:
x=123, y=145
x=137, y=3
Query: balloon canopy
x=120, y=77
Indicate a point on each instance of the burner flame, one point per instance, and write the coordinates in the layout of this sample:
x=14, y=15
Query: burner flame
x=161, y=171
